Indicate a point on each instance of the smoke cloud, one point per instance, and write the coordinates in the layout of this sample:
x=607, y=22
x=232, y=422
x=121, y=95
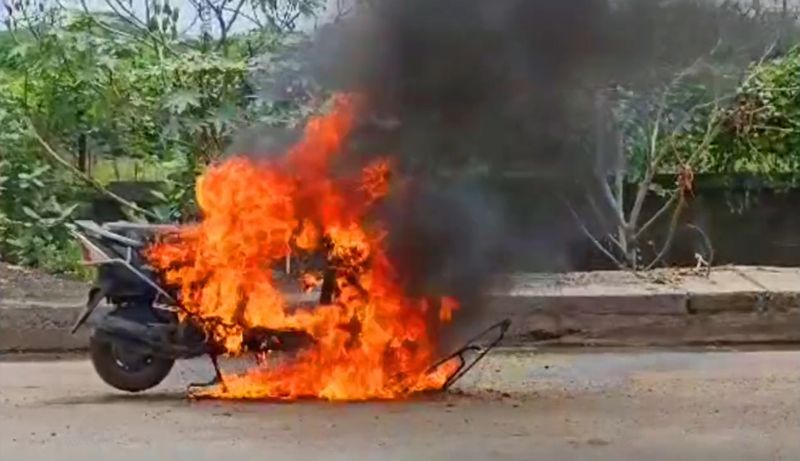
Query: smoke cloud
x=455, y=90
x=468, y=83
x=460, y=91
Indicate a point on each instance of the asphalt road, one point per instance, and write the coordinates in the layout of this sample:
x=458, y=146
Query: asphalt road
x=723, y=406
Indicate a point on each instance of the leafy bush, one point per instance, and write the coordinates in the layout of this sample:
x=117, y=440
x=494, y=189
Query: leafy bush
x=760, y=133
x=34, y=204
x=92, y=86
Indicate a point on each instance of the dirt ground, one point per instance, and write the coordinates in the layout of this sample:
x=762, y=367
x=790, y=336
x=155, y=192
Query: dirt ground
x=731, y=406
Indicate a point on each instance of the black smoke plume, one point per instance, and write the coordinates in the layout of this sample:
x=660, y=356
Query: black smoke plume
x=463, y=92
x=458, y=91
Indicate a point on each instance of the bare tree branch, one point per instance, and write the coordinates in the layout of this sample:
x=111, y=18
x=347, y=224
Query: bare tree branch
x=29, y=24
x=592, y=238
x=128, y=16
x=125, y=13
x=190, y=25
x=602, y=218
x=655, y=155
x=655, y=216
x=224, y=22
x=250, y=17
x=673, y=225
x=53, y=155
x=109, y=28
x=235, y=13
x=611, y=200
x=342, y=11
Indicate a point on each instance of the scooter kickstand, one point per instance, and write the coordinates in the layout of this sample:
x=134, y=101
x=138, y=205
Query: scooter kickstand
x=217, y=379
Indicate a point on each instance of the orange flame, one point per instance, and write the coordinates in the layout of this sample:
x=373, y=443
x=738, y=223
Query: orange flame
x=449, y=305
x=372, y=341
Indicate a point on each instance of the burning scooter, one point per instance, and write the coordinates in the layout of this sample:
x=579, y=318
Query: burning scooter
x=134, y=345
x=289, y=255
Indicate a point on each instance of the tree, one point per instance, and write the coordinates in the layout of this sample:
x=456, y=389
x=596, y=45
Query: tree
x=81, y=87
x=650, y=134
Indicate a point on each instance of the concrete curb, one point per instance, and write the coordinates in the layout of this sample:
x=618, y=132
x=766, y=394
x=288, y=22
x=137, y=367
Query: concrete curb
x=40, y=327
x=548, y=321
x=734, y=305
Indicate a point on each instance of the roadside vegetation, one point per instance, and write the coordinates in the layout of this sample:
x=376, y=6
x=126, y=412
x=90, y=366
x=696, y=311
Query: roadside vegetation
x=730, y=110
x=88, y=98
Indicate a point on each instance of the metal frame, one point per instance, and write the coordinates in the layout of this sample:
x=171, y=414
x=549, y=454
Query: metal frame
x=103, y=258
x=473, y=345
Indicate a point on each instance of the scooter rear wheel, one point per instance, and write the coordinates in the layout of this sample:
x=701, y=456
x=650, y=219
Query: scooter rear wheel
x=127, y=370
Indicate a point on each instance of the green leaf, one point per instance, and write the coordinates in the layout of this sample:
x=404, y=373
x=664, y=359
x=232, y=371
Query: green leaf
x=181, y=100
x=39, y=171
x=109, y=62
x=21, y=50
x=67, y=212
x=31, y=213
x=159, y=195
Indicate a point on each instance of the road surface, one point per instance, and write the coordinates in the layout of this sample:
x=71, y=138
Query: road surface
x=726, y=406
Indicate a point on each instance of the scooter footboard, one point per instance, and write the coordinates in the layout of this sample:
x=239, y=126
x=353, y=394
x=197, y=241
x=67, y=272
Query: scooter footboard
x=152, y=338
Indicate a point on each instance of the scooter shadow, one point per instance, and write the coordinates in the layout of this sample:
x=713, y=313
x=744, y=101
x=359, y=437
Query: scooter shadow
x=109, y=398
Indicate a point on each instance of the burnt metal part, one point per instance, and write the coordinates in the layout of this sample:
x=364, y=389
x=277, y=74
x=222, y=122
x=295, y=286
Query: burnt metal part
x=259, y=340
x=476, y=346
x=217, y=379
x=266, y=339
x=96, y=295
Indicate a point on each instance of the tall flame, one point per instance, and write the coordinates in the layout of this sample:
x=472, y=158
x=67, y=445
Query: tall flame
x=372, y=341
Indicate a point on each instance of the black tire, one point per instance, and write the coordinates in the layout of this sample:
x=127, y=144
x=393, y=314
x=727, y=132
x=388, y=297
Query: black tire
x=124, y=374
